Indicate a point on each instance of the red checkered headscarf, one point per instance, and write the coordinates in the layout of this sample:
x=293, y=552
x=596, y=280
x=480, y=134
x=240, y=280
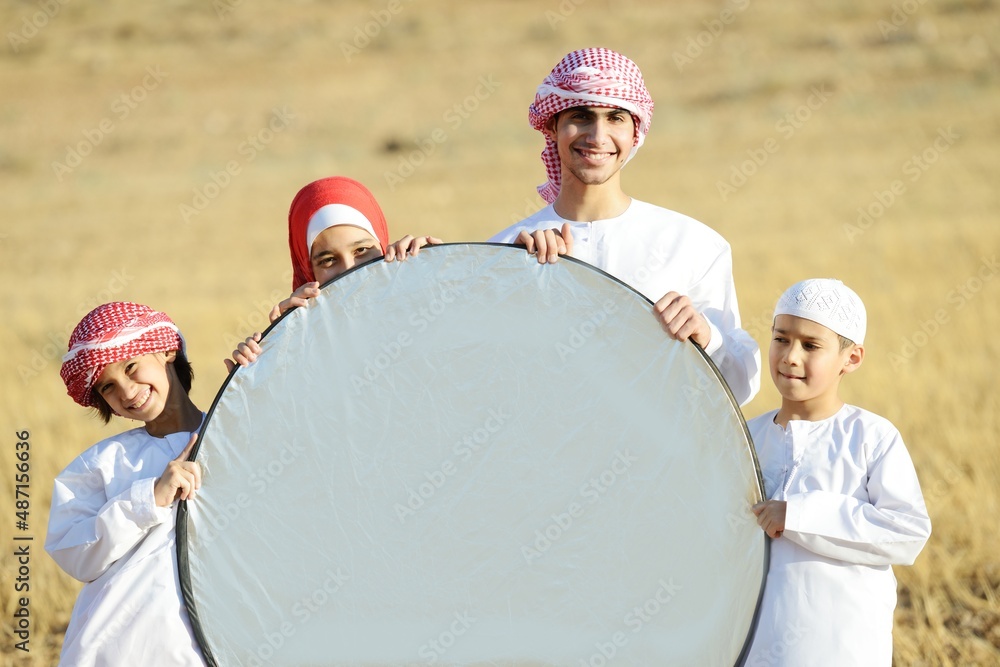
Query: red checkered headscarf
x=340, y=201
x=110, y=333
x=594, y=78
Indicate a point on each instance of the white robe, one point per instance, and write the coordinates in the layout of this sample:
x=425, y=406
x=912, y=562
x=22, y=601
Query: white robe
x=655, y=251
x=106, y=530
x=854, y=509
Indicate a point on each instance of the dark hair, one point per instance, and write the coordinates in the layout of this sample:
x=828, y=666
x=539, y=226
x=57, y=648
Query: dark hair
x=184, y=373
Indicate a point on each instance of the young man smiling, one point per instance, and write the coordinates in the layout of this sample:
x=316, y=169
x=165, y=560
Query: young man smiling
x=594, y=111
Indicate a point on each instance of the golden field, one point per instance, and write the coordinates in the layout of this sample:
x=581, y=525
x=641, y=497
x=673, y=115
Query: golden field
x=150, y=150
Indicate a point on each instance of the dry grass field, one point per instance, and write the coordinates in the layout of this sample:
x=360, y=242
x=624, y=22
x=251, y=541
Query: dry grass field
x=149, y=151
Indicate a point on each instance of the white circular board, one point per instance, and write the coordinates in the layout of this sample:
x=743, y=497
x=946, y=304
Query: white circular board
x=473, y=459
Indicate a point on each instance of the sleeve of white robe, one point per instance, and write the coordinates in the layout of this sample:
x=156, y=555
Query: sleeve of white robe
x=891, y=529
x=88, y=531
x=732, y=349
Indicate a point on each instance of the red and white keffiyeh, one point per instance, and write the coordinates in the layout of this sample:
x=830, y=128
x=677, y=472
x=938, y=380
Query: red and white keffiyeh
x=110, y=333
x=589, y=77
x=326, y=203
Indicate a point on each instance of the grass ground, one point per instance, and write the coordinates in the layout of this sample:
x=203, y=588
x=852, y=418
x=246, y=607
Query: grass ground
x=149, y=152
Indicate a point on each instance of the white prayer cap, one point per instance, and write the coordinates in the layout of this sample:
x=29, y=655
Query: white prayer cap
x=828, y=302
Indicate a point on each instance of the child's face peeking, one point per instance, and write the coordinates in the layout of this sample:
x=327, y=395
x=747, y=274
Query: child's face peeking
x=138, y=388
x=340, y=248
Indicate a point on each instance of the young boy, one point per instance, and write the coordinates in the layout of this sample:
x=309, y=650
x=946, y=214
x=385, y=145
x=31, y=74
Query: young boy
x=844, y=501
x=113, y=508
x=594, y=111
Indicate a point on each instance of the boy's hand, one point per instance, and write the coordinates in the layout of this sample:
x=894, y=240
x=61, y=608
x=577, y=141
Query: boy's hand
x=771, y=516
x=408, y=244
x=548, y=243
x=180, y=479
x=678, y=317
x=245, y=353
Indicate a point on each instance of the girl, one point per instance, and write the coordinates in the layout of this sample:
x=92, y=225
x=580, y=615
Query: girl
x=334, y=224
x=113, y=508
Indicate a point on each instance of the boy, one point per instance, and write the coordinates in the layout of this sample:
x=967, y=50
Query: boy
x=845, y=504
x=114, y=507
x=594, y=111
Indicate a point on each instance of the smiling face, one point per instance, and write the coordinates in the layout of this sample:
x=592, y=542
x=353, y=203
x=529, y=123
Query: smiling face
x=340, y=248
x=593, y=143
x=138, y=388
x=807, y=362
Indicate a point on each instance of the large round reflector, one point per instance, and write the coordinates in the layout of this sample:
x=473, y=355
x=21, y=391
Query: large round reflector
x=472, y=459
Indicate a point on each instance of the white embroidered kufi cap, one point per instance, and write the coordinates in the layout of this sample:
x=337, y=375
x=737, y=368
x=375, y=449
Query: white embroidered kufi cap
x=828, y=302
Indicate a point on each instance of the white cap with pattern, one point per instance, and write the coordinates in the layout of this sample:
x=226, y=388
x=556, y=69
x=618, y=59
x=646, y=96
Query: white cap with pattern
x=828, y=302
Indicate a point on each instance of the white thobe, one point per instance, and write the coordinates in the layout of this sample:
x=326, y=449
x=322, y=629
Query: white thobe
x=106, y=530
x=854, y=508
x=655, y=251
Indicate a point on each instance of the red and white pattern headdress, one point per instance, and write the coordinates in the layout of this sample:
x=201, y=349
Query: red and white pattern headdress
x=589, y=77
x=110, y=333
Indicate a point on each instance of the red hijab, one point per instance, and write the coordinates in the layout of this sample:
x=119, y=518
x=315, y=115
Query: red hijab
x=313, y=197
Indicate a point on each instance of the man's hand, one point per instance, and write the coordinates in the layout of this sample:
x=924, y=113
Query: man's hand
x=678, y=317
x=548, y=243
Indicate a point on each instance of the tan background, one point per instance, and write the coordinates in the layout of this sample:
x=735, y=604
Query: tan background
x=885, y=81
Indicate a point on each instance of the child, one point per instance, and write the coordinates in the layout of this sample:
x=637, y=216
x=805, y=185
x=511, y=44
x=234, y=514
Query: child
x=112, y=519
x=334, y=224
x=845, y=503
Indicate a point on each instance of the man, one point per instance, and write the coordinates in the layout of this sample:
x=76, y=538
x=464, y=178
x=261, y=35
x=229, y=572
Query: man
x=595, y=112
